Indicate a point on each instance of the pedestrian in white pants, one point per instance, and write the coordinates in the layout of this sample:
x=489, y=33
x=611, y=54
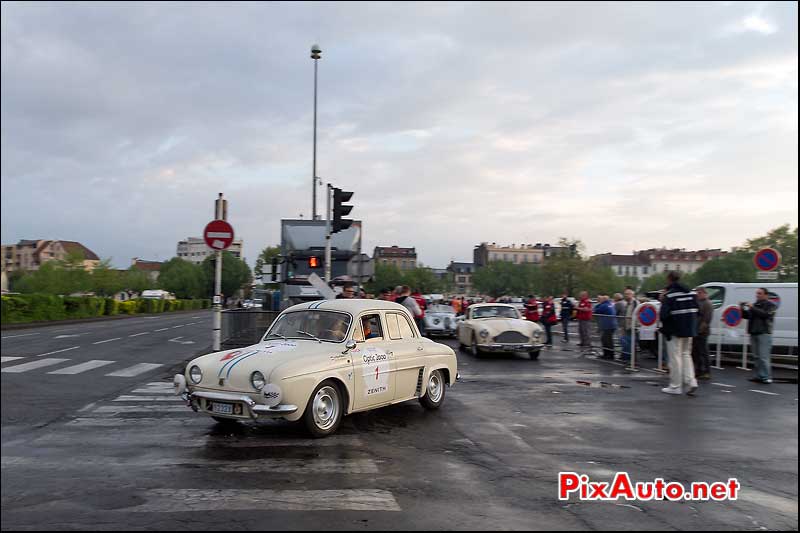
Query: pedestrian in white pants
x=681, y=366
x=678, y=312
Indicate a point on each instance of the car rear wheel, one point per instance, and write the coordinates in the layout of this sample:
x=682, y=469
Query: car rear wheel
x=324, y=410
x=434, y=392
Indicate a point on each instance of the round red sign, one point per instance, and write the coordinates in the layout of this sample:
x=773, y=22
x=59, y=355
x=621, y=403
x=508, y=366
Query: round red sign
x=648, y=315
x=767, y=259
x=218, y=234
x=732, y=316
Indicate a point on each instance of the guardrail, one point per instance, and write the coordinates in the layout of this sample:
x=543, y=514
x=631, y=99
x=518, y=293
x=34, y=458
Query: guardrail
x=243, y=327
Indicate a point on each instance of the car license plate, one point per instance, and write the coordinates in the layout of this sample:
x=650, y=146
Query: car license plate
x=222, y=408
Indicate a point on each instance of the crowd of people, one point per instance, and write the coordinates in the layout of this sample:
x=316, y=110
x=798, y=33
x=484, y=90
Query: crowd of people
x=685, y=317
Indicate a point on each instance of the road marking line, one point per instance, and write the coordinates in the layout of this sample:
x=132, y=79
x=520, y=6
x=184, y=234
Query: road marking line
x=23, y=335
x=83, y=367
x=68, y=336
x=142, y=333
x=195, y=317
x=162, y=329
x=181, y=500
x=130, y=398
x=178, y=326
x=57, y=351
x=32, y=365
x=134, y=370
x=723, y=385
x=7, y=359
x=141, y=409
x=107, y=340
x=764, y=392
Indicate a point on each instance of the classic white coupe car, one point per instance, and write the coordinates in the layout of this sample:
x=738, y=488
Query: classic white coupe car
x=494, y=327
x=440, y=319
x=320, y=361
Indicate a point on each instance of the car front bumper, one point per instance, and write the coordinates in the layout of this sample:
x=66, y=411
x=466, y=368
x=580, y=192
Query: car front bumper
x=200, y=402
x=497, y=347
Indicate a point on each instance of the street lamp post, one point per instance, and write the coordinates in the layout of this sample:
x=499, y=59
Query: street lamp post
x=316, y=53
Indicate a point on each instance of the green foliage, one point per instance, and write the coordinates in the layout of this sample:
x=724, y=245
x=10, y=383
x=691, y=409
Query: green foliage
x=501, y=278
x=53, y=278
x=128, y=307
x=136, y=280
x=83, y=307
x=112, y=307
x=784, y=239
x=182, y=278
x=265, y=258
x=106, y=281
x=32, y=308
x=734, y=267
x=235, y=274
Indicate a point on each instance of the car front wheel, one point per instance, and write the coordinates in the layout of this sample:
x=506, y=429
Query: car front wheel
x=473, y=347
x=434, y=392
x=324, y=410
x=534, y=355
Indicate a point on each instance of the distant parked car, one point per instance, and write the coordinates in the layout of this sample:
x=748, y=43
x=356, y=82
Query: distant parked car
x=440, y=320
x=498, y=328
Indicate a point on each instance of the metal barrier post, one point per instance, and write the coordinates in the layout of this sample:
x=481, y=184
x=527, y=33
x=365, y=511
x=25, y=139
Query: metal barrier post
x=745, y=342
x=719, y=351
x=634, y=320
x=660, y=353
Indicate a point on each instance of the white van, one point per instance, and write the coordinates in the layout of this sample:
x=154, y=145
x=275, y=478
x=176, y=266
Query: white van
x=784, y=333
x=156, y=294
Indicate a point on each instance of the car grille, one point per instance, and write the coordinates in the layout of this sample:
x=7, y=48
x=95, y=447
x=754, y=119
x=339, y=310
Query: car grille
x=511, y=337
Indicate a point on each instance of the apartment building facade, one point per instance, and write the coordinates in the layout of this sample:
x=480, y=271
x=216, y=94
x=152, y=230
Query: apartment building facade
x=402, y=258
x=29, y=255
x=195, y=250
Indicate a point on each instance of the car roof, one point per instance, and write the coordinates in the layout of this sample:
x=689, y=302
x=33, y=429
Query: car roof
x=353, y=306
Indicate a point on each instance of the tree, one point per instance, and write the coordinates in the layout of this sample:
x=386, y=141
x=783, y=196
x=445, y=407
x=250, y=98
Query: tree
x=136, y=280
x=235, y=274
x=265, y=258
x=106, y=281
x=501, y=278
x=182, y=278
x=734, y=267
x=785, y=241
x=385, y=277
x=423, y=279
x=53, y=278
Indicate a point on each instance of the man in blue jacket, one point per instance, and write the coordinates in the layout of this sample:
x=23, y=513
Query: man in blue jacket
x=607, y=322
x=679, y=310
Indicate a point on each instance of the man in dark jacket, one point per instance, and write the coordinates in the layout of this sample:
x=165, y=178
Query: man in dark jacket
x=607, y=322
x=566, y=315
x=679, y=326
x=760, y=316
x=700, y=344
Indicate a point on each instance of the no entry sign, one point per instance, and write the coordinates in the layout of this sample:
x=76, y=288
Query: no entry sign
x=647, y=314
x=732, y=316
x=767, y=259
x=218, y=234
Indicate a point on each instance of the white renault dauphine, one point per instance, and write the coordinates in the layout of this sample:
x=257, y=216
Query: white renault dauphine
x=495, y=327
x=320, y=361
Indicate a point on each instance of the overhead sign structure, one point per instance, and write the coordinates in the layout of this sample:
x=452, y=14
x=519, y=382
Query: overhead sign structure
x=218, y=235
x=732, y=316
x=767, y=259
x=647, y=314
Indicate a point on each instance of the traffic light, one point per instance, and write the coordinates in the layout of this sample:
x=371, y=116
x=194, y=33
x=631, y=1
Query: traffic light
x=314, y=262
x=340, y=209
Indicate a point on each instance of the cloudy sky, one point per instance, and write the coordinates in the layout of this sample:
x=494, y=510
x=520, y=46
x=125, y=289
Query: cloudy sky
x=625, y=125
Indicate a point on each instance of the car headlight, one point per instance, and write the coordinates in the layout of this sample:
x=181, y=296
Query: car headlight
x=484, y=333
x=257, y=380
x=537, y=334
x=436, y=321
x=195, y=374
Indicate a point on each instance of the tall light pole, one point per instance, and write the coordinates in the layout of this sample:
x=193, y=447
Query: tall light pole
x=316, y=53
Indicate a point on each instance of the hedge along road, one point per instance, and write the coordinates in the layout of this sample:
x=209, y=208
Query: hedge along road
x=71, y=365
x=72, y=321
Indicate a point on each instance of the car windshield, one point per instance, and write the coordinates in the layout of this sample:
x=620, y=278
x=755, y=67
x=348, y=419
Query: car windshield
x=492, y=311
x=328, y=326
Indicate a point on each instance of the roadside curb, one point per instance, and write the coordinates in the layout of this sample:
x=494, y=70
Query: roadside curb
x=29, y=325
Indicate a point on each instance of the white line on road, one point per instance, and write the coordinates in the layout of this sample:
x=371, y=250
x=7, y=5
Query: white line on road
x=7, y=359
x=16, y=369
x=195, y=317
x=135, y=370
x=107, y=340
x=83, y=367
x=23, y=335
x=162, y=329
x=178, y=326
x=68, y=336
x=141, y=409
x=137, y=334
x=57, y=351
x=137, y=398
x=181, y=500
x=764, y=392
x=723, y=385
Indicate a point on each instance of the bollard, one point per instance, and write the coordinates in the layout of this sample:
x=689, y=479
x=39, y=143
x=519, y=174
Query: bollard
x=634, y=320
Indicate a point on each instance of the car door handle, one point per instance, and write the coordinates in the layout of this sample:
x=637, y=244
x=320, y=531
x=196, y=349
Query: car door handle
x=420, y=348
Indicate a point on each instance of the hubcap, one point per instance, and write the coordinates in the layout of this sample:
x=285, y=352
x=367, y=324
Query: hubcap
x=326, y=408
x=435, y=387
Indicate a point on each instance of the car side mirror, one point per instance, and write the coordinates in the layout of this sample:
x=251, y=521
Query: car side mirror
x=349, y=345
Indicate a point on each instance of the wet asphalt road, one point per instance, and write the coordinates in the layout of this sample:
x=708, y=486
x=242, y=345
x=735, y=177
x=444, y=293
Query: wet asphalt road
x=489, y=459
